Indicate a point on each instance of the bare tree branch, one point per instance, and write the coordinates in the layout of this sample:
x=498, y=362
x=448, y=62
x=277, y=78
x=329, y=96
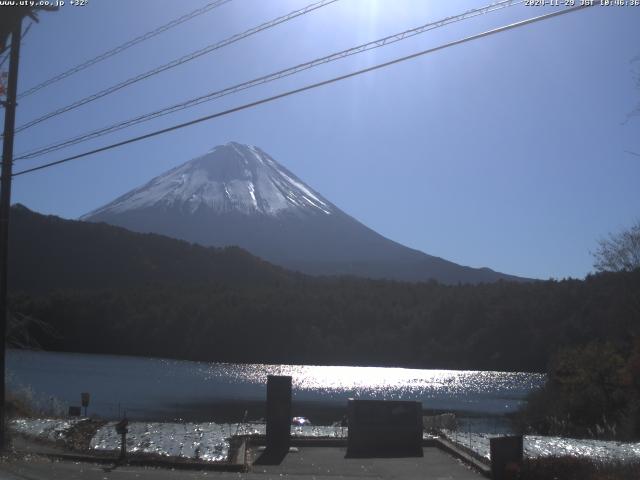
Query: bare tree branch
x=19, y=330
x=619, y=252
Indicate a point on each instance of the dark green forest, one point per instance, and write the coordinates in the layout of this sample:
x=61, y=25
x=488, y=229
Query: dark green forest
x=499, y=326
x=102, y=289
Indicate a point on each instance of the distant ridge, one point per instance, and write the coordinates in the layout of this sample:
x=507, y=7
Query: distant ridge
x=51, y=253
x=239, y=195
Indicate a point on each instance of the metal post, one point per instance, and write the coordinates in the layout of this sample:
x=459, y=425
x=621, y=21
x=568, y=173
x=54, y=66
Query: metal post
x=5, y=206
x=123, y=446
x=122, y=430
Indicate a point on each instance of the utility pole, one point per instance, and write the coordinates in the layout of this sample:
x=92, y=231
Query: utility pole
x=10, y=24
x=5, y=206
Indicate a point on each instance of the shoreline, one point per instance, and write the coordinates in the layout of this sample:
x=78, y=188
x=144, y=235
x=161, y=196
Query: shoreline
x=318, y=413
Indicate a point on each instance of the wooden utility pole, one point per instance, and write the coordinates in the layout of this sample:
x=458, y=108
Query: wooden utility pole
x=5, y=206
x=10, y=24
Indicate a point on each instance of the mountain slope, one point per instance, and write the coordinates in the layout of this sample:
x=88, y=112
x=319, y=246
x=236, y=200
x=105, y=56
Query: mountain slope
x=48, y=253
x=238, y=195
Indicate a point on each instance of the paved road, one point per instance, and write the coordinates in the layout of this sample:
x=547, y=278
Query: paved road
x=321, y=463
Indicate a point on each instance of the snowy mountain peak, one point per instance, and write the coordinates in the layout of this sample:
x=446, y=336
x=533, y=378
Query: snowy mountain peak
x=237, y=194
x=229, y=178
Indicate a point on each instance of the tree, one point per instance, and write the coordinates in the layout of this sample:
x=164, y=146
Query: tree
x=620, y=251
x=587, y=394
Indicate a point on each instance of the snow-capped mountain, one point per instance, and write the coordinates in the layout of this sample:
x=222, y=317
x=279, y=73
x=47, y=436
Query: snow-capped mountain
x=230, y=178
x=238, y=195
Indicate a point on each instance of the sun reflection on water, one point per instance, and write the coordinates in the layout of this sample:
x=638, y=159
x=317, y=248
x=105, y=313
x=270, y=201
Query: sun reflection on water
x=385, y=382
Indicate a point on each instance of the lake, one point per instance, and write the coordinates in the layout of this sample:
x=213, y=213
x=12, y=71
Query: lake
x=163, y=389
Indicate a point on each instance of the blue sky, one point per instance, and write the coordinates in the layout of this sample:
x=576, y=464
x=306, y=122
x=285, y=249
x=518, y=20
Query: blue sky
x=507, y=152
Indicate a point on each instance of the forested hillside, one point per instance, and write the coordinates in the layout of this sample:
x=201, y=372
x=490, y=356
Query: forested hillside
x=49, y=253
x=107, y=290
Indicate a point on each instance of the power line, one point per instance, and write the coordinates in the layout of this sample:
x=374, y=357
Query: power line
x=121, y=48
x=268, y=78
x=305, y=88
x=177, y=62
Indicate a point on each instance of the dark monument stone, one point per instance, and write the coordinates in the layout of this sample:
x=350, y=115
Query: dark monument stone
x=506, y=457
x=278, y=420
x=381, y=428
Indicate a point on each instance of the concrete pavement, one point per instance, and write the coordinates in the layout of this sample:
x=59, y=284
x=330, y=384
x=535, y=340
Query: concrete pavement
x=310, y=463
